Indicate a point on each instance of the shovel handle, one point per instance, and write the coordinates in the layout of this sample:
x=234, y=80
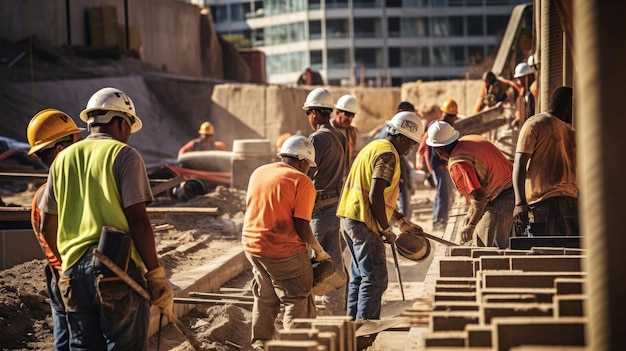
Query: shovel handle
x=395, y=262
x=195, y=344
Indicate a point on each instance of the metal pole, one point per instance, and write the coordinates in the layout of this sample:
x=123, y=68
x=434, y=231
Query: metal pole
x=395, y=262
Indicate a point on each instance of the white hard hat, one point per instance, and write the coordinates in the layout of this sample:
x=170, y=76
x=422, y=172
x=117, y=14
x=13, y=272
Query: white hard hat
x=346, y=103
x=523, y=69
x=107, y=103
x=532, y=61
x=318, y=97
x=299, y=147
x=407, y=124
x=441, y=133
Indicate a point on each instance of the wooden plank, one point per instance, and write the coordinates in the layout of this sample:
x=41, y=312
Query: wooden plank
x=22, y=176
x=195, y=301
x=159, y=188
x=14, y=214
x=197, y=210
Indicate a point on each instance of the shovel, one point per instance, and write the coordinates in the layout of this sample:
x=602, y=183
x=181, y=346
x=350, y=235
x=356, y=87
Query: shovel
x=195, y=344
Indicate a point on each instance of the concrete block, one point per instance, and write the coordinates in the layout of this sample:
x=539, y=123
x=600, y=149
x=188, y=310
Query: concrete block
x=527, y=243
x=469, y=281
x=444, y=339
x=548, y=251
x=328, y=340
x=455, y=306
x=298, y=334
x=508, y=252
x=464, y=251
x=569, y=306
x=291, y=345
x=478, y=335
x=349, y=328
x=569, y=286
x=454, y=296
x=495, y=263
x=452, y=321
x=547, y=263
x=454, y=288
x=456, y=267
x=542, y=295
x=491, y=310
x=334, y=325
x=517, y=279
x=545, y=331
x=581, y=252
x=507, y=298
x=486, y=251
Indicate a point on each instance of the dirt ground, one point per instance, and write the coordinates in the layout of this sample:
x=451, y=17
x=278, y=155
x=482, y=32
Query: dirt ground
x=25, y=319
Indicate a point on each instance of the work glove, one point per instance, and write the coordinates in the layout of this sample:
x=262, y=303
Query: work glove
x=520, y=220
x=467, y=234
x=319, y=254
x=161, y=293
x=388, y=236
x=408, y=226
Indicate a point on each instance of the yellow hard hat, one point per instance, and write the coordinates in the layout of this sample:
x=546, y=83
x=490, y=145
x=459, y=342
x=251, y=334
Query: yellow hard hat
x=206, y=128
x=48, y=126
x=450, y=107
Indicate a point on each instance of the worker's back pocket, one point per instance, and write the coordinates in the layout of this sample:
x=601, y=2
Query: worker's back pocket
x=114, y=297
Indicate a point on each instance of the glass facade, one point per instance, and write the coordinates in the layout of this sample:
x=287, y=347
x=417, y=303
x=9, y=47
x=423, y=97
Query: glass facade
x=440, y=37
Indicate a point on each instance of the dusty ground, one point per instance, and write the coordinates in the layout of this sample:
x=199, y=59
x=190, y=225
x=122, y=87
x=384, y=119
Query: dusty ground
x=25, y=320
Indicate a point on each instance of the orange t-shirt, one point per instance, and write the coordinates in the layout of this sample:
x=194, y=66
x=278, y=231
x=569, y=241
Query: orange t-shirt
x=35, y=219
x=477, y=163
x=277, y=193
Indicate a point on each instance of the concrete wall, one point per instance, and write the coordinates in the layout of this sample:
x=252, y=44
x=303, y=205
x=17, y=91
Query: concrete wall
x=169, y=30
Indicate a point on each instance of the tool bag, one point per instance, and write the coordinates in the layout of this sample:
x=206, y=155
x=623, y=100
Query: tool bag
x=116, y=245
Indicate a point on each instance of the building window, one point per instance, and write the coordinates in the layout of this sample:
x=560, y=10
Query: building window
x=475, y=26
x=415, y=57
x=369, y=57
x=497, y=24
x=286, y=63
x=367, y=28
x=315, y=30
x=277, y=7
x=336, y=4
x=316, y=59
x=475, y=54
x=393, y=27
x=219, y=13
x=414, y=27
x=236, y=13
x=456, y=26
x=457, y=56
x=441, y=56
x=338, y=58
x=337, y=28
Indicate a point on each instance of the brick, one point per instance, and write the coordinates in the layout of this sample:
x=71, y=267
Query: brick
x=547, y=263
x=452, y=321
x=470, y=281
x=455, y=306
x=456, y=267
x=444, y=339
x=486, y=251
x=491, y=310
x=461, y=251
x=291, y=345
x=455, y=288
x=542, y=295
x=298, y=334
x=506, y=298
x=453, y=296
x=495, y=263
x=569, y=306
x=328, y=340
x=548, y=250
x=527, y=243
x=512, y=332
x=516, y=279
x=325, y=325
x=478, y=335
x=569, y=286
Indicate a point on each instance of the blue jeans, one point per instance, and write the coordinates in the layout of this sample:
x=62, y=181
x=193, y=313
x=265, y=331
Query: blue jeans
x=369, y=278
x=60, y=328
x=325, y=227
x=444, y=195
x=104, y=314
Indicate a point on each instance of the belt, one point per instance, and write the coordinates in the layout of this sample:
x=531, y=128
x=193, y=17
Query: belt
x=504, y=192
x=326, y=194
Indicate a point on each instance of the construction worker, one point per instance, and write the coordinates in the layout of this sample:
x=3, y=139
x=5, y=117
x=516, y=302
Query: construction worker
x=204, y=142
x=481, y=173
x=544, y=171
x=276, y=232
x=444, y=189
x=331, y=152
x=368, y=201
x=525, y=74
x=100, y=185
x=49, y=132
x=494, y=90
x=406, y=186
x=345, y=111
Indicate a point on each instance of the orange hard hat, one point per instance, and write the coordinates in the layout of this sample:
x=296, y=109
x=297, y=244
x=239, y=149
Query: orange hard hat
x=48, y=126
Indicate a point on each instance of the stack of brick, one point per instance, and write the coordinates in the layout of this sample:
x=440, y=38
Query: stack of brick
x=324, y=333
x=490, y=299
